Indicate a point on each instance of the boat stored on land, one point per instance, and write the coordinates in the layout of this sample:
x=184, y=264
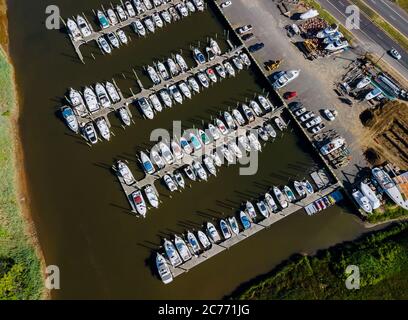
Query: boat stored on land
x=362, y=201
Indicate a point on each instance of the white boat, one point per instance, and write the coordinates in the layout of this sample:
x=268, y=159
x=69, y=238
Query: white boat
x=221, y=126
x=130, y=10
x=271, y=203
x=265, y=103
x=210, y=54
x=140, y=7
x=175, y=93
x=238, y=117
x=91, y=99
x=163, y=269
x=146, y=108
x=193, y=84
x=166, y=153
x=181, y=62
x=174, y=13
x=199, y=170
x=164, y=95
x=230, y=121
x=172, y=253
x=227, y=154
x=185, y=89
x=209, y=163
x=121, y=13
x=148, y=4
x=248, y=113
x=156, y=158
x=113, y=39
x=333, y=37
x=250, y=209
x=179, y=179
x=190, y=6
x=102, y=95
x=139, y=202
x=163, y=71
x=139, y=28
x=83, y=26
x=90, y=133
x=176, y=149
x=363, y=83
x=149, y=25
x=280, y=197
x=221, y=71
x=285, y=77
x=103, y=128
x=153, y=75
x=157, y=20
x=370, y=194
x=289, y=194
x=255, y=106
x=327, y=31
x=104, y=45
x=332, y=146
x=215, y=47
x=146, y=163
x=309, y=14
x=263, y=209
x=199, y=5
x=337, y=45
x=166, y=16
x=230, y=69
x=188, y=170
x=211, y=74
x=280, y=123
x=254, y=142
x=217, y=159
x=362, y=201
x=125, y=173
x=203, y=240
x=156, y=102
x=74, y=30
x=185, y=145
x=245, y=59
x=234, y=225
x=171, y=184
x=225, y=229
x=182, y=9
x=308, y=186
x=112, y=92
x=246, y=222
x=122, y=36
x=373, y=94
x=300, y=189
x=244, y=142
x=215, y=133
x=194, y=245
x=203, y=79
x=270, y=130
x=235, y=149
x=198, y=56
x=124, y=116
x=76, y=100
x=195, y=141
x=103, y=21
x=70, y=119
x=262, y=134
x=213, y=233
x=389, y=187
x=112, y=17
x=174, y=70
x=237, y=63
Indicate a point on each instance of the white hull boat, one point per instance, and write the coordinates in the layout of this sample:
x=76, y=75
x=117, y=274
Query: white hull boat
x=213, y=233
x=146, y=108
x=163, y=269
x=172, y=253
x=185, y=89
x=139, y=202
x=91, y=100
x=193, y=84
x=151, y=196
x=205, y=242
x=112, y=92
x=175, y=93
x=102, y=95
x=280, y=197
x=125, y=173
x=156, y=102
x=182, y=248
x=146, y=163
x=83, y=26
x=164, y=95
x=362, y=201
x=70, y=119
x=74, y=30
x=124, y=116
x=181, y=62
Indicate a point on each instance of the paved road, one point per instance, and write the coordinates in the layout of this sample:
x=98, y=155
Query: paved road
x=372, y=38
x=392, y=13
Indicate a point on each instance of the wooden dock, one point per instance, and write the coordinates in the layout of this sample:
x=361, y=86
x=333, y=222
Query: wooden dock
x=255, y=227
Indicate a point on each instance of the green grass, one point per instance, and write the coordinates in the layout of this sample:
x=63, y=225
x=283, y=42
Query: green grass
x=388, y=213
x=20, y=271
x=403, y=4
x=382, y=258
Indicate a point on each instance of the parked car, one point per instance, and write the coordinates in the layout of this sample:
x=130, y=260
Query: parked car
x=225, y=4
x=247, y=36
x=330, y=115
x=313, y=122
x=244, y=29
x=256, y=47
x=395, y=54
x=295, y=105
x=290, y=95
x=317, y=128
x=299, y=112
x=307, y=116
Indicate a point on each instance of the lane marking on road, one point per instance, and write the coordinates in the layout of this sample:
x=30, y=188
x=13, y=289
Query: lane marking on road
x=392, y=9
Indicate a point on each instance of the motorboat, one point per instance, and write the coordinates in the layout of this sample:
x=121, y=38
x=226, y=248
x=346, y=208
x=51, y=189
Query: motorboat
x=289, y=194
x=209, y=163
x=265, y=103
x=157, y=20
x=300, y=189
x=193, y=84
x=103, y=21
x=121, y=13
x=215, y=133
x=139, y=28
x=153, y=75
x=245, y=59
x=225, y=229
x=250, y=209
x=199, y=5
x=227, y=154
x=389, y=187
x=193, y=242
x=174, y=13
x=211, y=75
x=104, y=45
x=254, y=142
x=163, y=269
x=309, y=14
x=190, y=173
x=210, y=53
x=125, y=173
x=156, y=158
x=235, y=149
x=332, y=146
x=182, y=9
x=139, y=202
x=83, y=26
x=327, y=31
x=113, y=18
x=164, y=74
x=146, y=163
x=337, y=45
x=77, y=102
x=199, y=170
x=170, y=183
x=333, y=37
x=164, y=95
x=175, y=93
x=185, y=89
x=308, y=186
x=255, y=106
x=364, y=82
x=90, y=133
x=176, y=149
x=203, y=79
x=270, y=130
x=172, y=253
x=230, y=69
x=74, y=30
x=155, y=102
x=91, y=99
x=373, y=94
x=370, y=194
x=243, y=141
x=213, y=233
x=215, y=47
x=149, y=25
x=148, y=4
x=263, y=209
x=130, y=10
x=230, y=121
x=166, y=16
x=112, y=92
x=284, y=77
x=233, y=224
x=146, y=108
x=221, y=126
x=174, y=70
x=113, y=39
x=263, y=134
x=362, y=201
x=217, y=159
x=179, y=179
x=190, y=6
x=181, y=62
x=70, y=119
x=238, y=117
x=166, y=153
x=221, y=71
x=246, y=222
x=140, y=7
x=248, y=113
x=195, y=142
x=271, y=202
x=198, y=56
x=151, y=196
x=205, y=242
x=237, y=63
x=280, y=123
x=185, y=145
x=102, y=95
x=280, y=197
x=205, y=139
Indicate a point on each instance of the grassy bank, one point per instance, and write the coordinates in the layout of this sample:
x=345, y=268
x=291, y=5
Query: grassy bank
x=388, y=213
x=20, y=271
x=382, y=258
x=403, y=4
